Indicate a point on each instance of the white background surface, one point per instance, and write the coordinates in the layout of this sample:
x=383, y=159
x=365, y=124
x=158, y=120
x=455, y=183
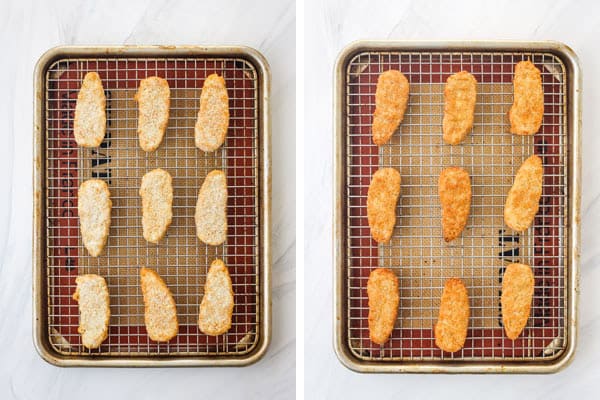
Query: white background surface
x=330, y=25
x=27, y=29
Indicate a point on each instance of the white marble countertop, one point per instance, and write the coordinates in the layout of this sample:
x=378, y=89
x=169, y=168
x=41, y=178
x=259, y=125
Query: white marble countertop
x=29, y=28
x=333, y=24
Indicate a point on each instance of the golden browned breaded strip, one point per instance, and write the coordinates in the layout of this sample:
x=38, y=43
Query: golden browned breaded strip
x=382, y=198
x=391, y=98
x=160, y=312
x=94, y=208
x=211, y=209
x=90, y=112
x=384, y=297
x=94, y=309
x=216, y=307
x=460, y=94
x=213, y=116
x=527, y=111
x=453, y=320
x=157, y=202
x=154, y=98
x=517, y=292
x=523, y=198
x=455, y=197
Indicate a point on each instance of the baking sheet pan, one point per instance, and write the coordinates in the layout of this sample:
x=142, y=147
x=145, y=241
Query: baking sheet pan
x=182, y=260
x=417, y=253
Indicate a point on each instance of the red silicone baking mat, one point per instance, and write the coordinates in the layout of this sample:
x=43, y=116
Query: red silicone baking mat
x=180, y=258
x=417, y=252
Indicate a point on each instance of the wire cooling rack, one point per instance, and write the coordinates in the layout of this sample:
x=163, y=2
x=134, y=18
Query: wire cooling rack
x=417, y=252
x=180, y=258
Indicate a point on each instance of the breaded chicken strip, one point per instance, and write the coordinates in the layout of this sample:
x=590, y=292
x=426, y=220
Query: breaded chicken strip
x=391, y=99
x=157, y=204
x=517, y=292
x=213, y=116
x=216, y=307
x=94, y=207
x=160, y=311
x=384, y=297
x=527, y=111
x=453, y=320
x=211, y=209
x=454, y=188
x=523, y=199
x=89, y=126
x=94, y=309
x=382, y=198
x=154, y=99
x=460, y=94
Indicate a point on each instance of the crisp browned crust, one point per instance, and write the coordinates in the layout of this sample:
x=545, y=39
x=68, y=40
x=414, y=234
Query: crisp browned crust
x=460, y=94
x=455, y=198
x=216, y=307
x=391, y=98
x=89, y=126
x=522, y=202
x=382, y=198
x=211, y=209
x=213, y=116
x=154, y=99
x=517, y=292
x=94, y=208
x=157, y=202
x=94, y=309
x=453, y=320
x=384, y=297
x=527, y=111
x=160, y=311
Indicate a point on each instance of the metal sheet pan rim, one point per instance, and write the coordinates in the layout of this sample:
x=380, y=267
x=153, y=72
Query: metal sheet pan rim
x=574, y=131
x=39, y=334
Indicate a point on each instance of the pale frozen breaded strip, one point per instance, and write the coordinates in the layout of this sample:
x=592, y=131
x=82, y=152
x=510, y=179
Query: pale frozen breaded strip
x=211, y=209
x=154, y=99
x=391, y=98
x=213, y=116
x=94, y=209
x=384, y=297
x=94, y=309
x=382, y=198
x=453, y=320
x=157, y=203
x=460, y=94
x=454, y=187
x=216, y=307
x=89, y=126
x=160, y=311
x=523, y=199
x=527, y=111
x=517, y=292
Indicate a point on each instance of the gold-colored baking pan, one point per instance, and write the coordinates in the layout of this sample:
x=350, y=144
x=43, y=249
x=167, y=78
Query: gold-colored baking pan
x=181, y=259
x=417, y=253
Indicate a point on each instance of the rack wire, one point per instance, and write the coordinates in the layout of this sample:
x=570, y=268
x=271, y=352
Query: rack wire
x=180, y=258
x=417, y=252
